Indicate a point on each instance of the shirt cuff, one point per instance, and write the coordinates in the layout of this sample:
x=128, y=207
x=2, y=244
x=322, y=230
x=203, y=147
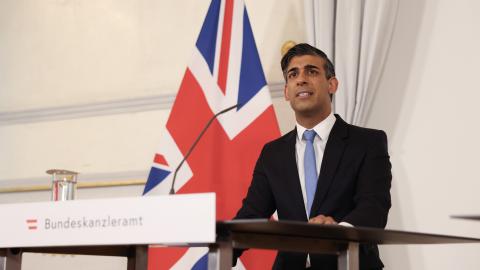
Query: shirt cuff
x=346, y=224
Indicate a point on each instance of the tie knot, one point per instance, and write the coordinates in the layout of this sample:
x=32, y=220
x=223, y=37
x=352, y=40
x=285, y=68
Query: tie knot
x=309, y=135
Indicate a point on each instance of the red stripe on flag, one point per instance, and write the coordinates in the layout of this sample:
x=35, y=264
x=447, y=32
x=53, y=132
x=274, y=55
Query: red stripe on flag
x=189, y=113
x=251, y=262
x=225, y=47
x=160, y=258
x=31, y=220
x=160, y=159
x=32, y=227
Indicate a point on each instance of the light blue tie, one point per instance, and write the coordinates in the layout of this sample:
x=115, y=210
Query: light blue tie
x=310, y=167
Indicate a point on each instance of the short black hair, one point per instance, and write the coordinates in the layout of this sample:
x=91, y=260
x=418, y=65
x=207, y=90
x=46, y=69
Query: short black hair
x=306, y=49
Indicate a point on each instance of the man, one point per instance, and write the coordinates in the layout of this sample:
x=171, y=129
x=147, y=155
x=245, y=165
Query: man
x=325, y=171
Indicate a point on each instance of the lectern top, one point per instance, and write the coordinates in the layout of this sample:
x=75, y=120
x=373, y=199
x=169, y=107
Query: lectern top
x=337, y=233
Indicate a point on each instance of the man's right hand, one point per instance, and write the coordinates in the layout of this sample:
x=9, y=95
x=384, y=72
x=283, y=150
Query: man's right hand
x=321, y=219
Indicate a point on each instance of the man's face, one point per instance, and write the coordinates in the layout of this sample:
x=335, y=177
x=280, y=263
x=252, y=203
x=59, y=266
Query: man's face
x=307, y=88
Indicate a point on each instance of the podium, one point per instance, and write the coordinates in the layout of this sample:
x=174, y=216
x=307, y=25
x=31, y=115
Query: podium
x=281, y=235
x=221, y=237
x=303, y=237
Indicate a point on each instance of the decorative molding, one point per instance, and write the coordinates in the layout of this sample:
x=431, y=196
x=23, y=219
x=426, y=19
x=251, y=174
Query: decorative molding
x=139, y=104
x=276, y=89
x=112, y=179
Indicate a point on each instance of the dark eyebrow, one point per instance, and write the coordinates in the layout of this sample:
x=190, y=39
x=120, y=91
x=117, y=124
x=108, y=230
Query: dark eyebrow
x=309, y=66
x=292, y=69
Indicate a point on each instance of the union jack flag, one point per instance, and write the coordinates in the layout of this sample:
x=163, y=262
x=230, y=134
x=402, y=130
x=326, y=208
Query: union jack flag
x=224, y=70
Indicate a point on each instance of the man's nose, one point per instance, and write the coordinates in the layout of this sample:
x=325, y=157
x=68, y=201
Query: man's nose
x=301, y=79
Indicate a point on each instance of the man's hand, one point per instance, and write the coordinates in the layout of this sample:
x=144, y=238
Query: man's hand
x=321, y=219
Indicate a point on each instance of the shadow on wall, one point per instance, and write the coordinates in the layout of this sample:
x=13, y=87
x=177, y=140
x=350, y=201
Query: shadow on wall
x=403, y=68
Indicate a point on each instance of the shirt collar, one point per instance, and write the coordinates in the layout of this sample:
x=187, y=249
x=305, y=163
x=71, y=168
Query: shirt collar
x=322, y=129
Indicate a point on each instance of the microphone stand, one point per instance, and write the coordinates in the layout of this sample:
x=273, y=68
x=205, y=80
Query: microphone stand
x=172, y=190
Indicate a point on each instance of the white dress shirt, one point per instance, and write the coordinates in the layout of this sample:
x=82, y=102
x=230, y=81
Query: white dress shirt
x=319, y=142
x=323, y=130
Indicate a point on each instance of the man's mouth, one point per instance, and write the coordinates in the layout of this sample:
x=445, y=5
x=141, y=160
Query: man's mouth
x=304, y=93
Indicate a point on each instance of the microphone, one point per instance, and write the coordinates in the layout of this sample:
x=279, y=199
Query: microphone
x=172, y=190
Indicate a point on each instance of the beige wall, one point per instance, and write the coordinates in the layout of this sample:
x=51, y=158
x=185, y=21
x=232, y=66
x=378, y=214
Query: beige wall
x=74, y=52
x=79, y=52
x=428, y=104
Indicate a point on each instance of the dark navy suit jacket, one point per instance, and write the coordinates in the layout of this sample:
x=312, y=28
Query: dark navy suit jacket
x=353, y=186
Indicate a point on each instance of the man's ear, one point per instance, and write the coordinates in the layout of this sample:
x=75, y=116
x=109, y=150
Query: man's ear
x=285, y=94
x=332, y=85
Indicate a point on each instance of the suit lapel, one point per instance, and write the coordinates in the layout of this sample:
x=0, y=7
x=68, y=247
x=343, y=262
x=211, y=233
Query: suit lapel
x=293, y=180
x=331, y=158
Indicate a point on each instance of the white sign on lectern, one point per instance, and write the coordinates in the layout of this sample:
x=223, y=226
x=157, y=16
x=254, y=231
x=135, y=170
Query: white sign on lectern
x=173, y=219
